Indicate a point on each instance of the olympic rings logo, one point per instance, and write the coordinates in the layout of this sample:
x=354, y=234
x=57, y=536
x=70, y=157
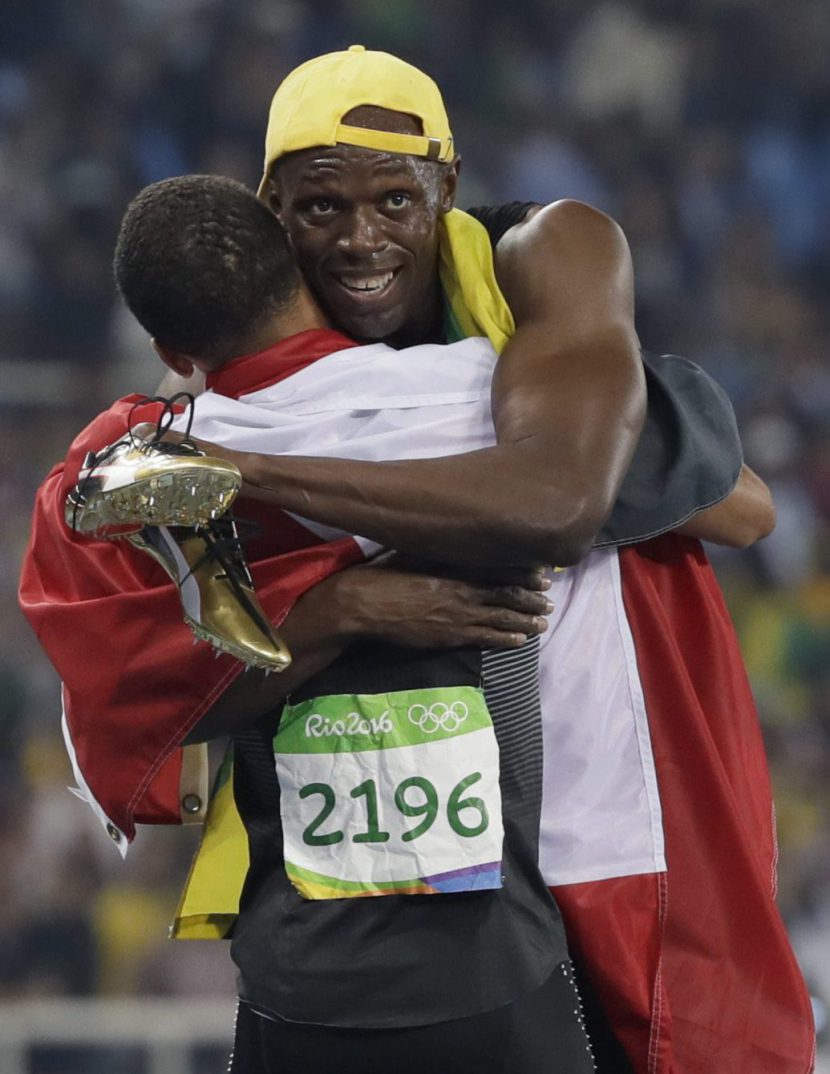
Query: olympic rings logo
x=438, y=716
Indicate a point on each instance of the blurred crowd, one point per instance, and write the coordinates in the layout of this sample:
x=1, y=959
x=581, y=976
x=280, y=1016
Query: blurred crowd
x=703, y=126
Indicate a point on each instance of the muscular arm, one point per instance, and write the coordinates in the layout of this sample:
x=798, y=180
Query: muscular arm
x=568, y=405
x=745, y=516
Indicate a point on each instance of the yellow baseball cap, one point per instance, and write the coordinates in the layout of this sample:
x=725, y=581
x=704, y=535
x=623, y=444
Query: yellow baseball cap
x=310, y=103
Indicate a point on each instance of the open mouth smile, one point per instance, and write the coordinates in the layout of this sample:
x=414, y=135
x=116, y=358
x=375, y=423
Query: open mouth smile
x=366, y=286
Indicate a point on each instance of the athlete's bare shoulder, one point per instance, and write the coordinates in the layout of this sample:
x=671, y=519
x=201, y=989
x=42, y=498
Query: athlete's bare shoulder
x=567, y=214
x=566, y=254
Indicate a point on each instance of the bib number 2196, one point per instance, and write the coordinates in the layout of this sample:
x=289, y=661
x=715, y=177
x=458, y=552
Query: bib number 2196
x=426, y=805
x=378, y=798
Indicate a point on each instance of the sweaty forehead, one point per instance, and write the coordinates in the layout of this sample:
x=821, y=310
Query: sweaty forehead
x=346, y=162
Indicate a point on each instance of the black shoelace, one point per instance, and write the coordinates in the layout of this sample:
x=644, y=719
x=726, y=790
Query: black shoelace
x=156, y=442
x=224, y=547
x=164, y=423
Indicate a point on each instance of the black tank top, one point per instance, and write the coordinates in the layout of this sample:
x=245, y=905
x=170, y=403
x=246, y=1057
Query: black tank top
x=498, y=219
x=401, y=960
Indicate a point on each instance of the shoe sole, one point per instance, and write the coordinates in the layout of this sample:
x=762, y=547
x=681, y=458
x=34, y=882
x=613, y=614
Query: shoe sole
x=188, y=497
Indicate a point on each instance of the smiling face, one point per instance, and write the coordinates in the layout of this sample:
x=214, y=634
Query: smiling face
x=364, y=226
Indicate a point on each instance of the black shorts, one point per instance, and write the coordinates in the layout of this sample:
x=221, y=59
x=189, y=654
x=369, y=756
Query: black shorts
x=542, y=1033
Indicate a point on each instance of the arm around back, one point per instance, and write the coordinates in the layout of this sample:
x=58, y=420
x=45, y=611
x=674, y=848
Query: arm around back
x=413, y=608
x=568, y=400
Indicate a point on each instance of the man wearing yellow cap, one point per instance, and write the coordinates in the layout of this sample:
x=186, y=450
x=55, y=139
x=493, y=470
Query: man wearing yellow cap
x=367, y=217
x=360, y=168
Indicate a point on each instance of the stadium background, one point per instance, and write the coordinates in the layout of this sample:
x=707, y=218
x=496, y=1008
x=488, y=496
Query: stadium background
x=703, y=126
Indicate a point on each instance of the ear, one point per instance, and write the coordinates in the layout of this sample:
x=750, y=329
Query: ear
x=268, y=194
x=449, y=185
x=180, y=363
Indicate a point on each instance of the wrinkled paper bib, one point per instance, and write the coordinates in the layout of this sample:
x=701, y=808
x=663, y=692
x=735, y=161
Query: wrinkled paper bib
x=390, y=794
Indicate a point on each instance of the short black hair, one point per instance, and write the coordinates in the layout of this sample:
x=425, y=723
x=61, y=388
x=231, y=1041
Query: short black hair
x=201, y=263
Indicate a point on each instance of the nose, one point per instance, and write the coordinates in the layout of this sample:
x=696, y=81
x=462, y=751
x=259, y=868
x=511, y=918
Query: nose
x=363, y=235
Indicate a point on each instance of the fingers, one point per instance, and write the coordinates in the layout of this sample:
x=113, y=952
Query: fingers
x=496, y=611
x=505, y=616
x=511, y=622
x=518, y=599
x=494, y=639
x=500, y=628
x=424, y=611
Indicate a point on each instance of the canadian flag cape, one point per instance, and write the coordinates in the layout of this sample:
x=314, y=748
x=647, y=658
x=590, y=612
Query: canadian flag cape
x=657, y=832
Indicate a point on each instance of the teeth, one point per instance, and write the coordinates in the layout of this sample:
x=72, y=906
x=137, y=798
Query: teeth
x=368, y=284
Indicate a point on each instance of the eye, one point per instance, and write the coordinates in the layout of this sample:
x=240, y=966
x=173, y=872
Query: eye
x=318, y=207
x=397, y=199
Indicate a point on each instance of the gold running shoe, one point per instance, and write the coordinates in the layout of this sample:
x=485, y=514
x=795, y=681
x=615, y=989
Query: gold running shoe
x=217, y=592
x=140, y=481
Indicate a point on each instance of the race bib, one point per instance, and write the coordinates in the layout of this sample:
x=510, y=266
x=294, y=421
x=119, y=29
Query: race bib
x=390, y=794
